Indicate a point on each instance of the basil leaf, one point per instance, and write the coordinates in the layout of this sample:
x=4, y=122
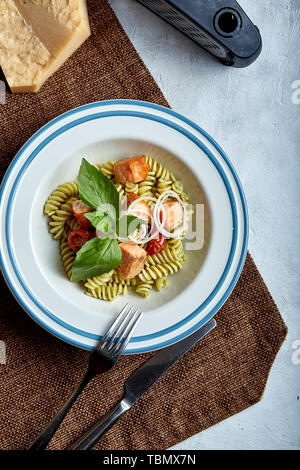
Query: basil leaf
x=95, y=189
x=103, y=223
x=94, y=218
x=96, y=257
x=103, y=220
x=127, y=224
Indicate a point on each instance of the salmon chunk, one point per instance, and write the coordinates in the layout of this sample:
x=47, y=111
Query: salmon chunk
x=79, y=209
x=133, y=260
x=174, y=214
x=131, y=170
x=140, y=209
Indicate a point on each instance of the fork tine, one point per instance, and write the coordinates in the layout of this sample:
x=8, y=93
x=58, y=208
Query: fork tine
x=116, y=333
x=113, y=336
x=127, y=333
x=125, y=329
x=113, y=325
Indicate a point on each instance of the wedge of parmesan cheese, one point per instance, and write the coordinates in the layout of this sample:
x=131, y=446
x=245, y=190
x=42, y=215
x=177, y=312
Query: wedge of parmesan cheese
x=37, y=37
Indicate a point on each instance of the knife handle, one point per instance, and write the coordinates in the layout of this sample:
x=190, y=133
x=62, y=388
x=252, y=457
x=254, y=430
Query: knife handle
x=92, y=436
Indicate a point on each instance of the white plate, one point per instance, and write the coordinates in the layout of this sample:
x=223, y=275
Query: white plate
x=113, y=130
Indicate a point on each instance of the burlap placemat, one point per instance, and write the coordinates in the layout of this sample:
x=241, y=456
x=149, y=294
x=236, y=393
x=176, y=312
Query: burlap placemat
x=223, y=375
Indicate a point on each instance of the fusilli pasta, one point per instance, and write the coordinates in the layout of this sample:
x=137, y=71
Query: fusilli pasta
x=145, y=188
x=67, y=256
x=144, y=288
x=131, y=188
x=157, y=267
x=58, y=196
x=107, y=168
x=107, y=292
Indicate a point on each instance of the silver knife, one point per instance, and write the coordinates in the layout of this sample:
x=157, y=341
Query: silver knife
x=139, y=382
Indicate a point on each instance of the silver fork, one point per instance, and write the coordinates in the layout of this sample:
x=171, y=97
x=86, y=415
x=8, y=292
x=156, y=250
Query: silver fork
x=102, y=358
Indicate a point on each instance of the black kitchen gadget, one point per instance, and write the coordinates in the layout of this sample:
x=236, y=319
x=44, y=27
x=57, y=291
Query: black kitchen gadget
x=219, y=26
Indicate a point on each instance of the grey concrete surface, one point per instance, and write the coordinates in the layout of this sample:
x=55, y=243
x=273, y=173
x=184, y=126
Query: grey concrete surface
x=251, y=113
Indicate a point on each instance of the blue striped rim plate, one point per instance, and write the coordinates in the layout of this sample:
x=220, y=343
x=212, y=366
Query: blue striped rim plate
x=111, y=130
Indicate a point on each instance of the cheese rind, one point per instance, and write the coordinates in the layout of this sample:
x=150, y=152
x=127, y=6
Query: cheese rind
x=37, y=37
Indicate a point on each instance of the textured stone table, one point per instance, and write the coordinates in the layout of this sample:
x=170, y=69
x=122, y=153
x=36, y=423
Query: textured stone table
x=251, y=113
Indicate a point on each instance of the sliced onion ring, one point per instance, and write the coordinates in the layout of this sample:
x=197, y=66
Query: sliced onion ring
x=159, y=209
x=130, y=211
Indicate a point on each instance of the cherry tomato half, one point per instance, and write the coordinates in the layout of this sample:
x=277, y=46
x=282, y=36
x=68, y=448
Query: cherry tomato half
x=78, y=238
x=157, y=245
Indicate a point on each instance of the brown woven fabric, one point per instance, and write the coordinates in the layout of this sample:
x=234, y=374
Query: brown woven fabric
x=223, y=375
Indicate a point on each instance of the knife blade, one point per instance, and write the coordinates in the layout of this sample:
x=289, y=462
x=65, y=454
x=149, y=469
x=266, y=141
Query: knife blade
x=140, y=381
